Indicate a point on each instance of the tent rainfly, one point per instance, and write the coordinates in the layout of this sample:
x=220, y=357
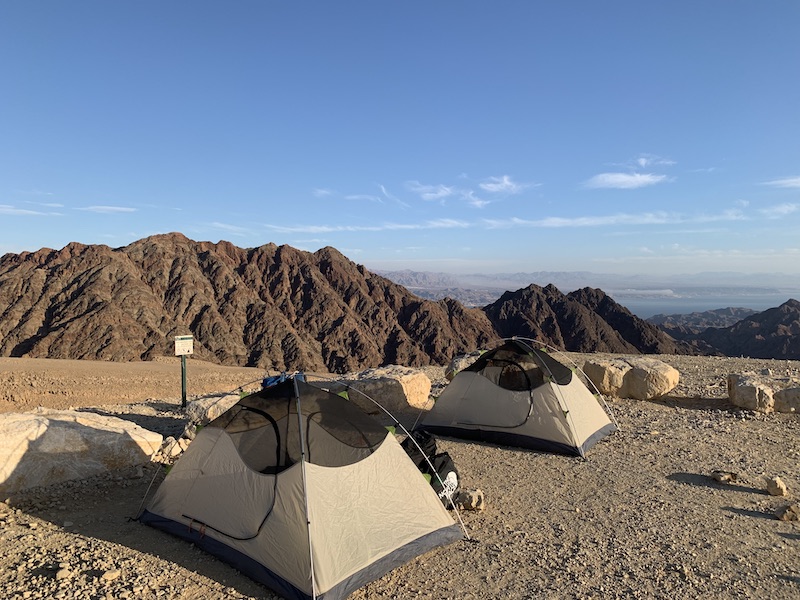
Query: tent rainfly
x=518, y=394
x=301, y=490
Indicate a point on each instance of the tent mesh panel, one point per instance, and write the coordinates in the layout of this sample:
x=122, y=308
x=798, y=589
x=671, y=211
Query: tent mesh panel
x=264, y=427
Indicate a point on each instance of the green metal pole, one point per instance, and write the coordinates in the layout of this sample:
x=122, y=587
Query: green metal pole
x=183, y=381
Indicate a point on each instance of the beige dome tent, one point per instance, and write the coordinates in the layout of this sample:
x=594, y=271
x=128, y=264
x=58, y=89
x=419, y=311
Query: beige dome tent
x=517, y=394
x=303, y=491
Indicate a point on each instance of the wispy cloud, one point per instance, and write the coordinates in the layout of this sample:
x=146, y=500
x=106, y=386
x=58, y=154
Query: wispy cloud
x=430, y=192
x=364, y=197
x=7, y=209
x=789, y=182
x=624, y=181
x=501, y=185
x=45, y=204
x=649, y=160
x=648, y=218
x=107, y=210
x=434, y=224
x=473, y=200
x=731, y=214
x=779, y=210
x=321, y=192
x=389, y=196
x=655, y=218
x=233, y=229
x=33, y=192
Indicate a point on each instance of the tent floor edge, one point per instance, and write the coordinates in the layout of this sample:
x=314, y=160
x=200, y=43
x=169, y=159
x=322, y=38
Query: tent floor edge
x=440, y=537
x=598, y=435
x=258, y=572
x=241, y=562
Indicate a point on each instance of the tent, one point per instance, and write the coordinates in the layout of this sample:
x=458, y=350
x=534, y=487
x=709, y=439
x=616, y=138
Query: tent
x=518, y=394
x=301, y=490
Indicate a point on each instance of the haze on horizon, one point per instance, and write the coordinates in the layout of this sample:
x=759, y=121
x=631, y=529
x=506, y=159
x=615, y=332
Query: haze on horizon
x=618, y=137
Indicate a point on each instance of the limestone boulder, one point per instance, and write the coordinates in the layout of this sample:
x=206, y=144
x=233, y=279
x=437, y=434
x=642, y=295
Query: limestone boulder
x=749, y=391
x=459, y=363
x=45, y=447
x=764, y=392
x=209, y=408
x=637, y=377
x=787, y=400
x=394, y=387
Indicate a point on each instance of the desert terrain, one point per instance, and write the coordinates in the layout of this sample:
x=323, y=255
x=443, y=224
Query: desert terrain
x=640, y=518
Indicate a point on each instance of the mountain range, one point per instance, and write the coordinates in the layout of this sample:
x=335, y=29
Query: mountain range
x=281, y=308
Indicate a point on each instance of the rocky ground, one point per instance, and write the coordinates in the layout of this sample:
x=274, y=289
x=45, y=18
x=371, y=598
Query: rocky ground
x=641, y=518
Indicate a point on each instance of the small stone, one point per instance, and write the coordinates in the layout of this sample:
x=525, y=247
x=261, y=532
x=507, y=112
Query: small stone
x=111, y=575
x=724, y=476
x=790, y=512
x=470, y=500
x=63, y=573
x=776, y=487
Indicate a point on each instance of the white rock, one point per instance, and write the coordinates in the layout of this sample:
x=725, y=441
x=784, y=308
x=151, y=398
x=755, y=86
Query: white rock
x=787, y=400
x=459, y=363
x=394, y=387
x=111, y=575
x=748, y=391
x=776, y=487
x=636, y=377
x=44, y=447
x=209, y=408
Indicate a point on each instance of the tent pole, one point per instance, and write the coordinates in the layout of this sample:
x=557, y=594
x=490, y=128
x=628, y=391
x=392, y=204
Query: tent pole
x=305, y=486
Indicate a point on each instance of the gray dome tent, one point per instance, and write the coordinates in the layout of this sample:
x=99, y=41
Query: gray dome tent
x=517, y=394
x=303, y=491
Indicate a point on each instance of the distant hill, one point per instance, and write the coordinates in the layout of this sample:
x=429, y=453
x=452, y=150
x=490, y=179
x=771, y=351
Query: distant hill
x=774, y=333
x=585, y=320
x=278, y=307
x=695, y=322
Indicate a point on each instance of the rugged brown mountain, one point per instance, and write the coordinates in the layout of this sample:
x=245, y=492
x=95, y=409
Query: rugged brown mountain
x=774, y=333
x=585, y=320
x=273, y=307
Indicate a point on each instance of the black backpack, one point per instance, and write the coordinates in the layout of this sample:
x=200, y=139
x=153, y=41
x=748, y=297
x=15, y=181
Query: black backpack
x=426, y=442
x=444, y=475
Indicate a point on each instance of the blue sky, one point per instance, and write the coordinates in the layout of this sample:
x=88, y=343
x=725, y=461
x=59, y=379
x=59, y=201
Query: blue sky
x=459, y=136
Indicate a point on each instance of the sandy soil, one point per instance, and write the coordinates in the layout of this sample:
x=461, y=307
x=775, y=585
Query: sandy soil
x=641, y=518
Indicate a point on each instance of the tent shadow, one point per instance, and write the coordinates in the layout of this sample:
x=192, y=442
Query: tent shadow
x=111, y=517
x=111, y=501
x=700, y=480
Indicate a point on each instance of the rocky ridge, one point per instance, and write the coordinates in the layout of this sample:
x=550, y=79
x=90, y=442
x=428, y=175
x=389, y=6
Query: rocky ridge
x=275, y=307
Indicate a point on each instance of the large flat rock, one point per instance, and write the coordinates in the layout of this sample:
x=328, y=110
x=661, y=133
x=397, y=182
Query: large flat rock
x=44, y=447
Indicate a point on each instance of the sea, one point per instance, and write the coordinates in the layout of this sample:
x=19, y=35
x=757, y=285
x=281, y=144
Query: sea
x=647, y=303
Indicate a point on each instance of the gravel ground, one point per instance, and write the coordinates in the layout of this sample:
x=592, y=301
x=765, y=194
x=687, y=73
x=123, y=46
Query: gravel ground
x=641, y=518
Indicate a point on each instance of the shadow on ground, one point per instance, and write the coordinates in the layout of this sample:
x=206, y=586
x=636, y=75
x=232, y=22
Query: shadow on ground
x=107, y=511
x=700, y=480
